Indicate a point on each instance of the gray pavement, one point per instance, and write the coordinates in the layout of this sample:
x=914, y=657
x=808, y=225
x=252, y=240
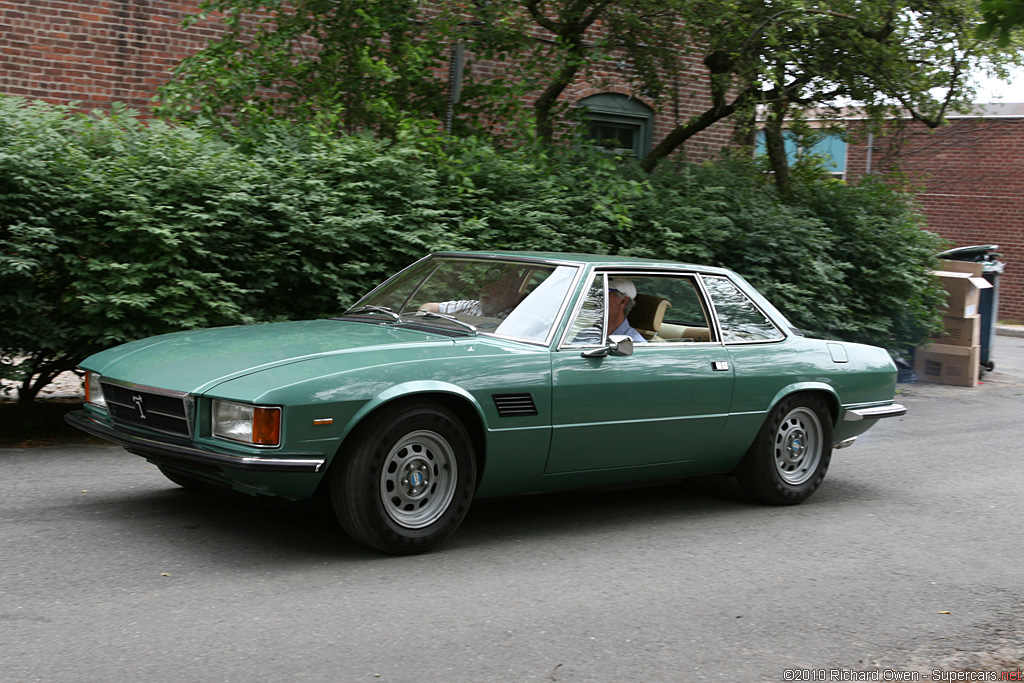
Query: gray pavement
x=906, y=560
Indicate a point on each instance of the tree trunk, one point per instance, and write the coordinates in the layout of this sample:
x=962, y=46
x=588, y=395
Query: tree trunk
x=44, y=373
x=775, y=145
x=544, y=107
x=682, y=133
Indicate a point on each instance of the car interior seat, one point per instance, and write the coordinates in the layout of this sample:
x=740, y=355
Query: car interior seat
x=647, y=314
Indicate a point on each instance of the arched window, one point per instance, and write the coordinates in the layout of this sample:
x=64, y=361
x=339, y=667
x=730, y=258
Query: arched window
x=619, y=122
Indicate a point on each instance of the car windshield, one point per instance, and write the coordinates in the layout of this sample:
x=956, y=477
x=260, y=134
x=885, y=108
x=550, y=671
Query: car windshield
x=509, y=298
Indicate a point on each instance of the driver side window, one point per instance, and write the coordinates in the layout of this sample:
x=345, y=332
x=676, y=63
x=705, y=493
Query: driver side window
x=670, y=309
x=665, y=309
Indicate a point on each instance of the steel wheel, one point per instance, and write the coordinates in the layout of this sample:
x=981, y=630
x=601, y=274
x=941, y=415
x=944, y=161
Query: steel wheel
x=417, y=480
x=798, y=446
x=405, y=480
x=790, y=454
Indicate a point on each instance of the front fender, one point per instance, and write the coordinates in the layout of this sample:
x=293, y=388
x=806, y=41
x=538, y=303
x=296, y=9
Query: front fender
x=412, y=388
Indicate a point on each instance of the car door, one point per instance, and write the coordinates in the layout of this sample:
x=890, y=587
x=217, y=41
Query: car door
x=762, y=360
x=665, y=403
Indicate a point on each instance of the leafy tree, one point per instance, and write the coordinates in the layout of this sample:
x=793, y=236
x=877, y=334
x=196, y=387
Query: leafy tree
x=345, y=65
x=553, y=43
x=792, y=55
x=355, y=65
x=351, y=65
x=1002, y=19
x=88, y=257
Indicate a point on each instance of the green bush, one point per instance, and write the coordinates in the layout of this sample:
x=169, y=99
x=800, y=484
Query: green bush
x=841, y=261
x=886, y=256
x=112, y=229
x=103, y=234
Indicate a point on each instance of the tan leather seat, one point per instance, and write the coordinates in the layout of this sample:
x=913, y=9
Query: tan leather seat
x=697, y=334
x=681, y=333
x=647, y=315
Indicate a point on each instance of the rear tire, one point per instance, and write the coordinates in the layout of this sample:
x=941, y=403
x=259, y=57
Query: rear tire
x=408, y=481
x=791, y=454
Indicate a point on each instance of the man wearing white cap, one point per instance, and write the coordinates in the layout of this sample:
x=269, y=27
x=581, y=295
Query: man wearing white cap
x=621, y=298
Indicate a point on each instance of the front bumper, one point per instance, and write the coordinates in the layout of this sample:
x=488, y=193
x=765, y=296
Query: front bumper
x=283, y=461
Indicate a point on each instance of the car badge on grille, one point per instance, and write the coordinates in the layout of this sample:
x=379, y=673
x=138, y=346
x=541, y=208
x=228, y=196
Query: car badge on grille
x=138, y=402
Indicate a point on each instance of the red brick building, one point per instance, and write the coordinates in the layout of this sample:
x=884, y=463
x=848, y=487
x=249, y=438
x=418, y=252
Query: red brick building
x=100, y=51
x=94, y=51
x=971, y=178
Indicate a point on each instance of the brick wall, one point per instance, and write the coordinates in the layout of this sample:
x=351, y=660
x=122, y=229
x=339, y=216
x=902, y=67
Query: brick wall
x=971, y=186
x=94, y=51
x=101, y=51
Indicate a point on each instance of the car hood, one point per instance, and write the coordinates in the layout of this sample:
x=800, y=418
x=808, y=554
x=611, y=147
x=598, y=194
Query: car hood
x=196, y=360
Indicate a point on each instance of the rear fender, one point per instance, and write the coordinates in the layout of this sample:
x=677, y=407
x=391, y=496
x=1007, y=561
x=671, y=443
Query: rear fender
x=829, y=393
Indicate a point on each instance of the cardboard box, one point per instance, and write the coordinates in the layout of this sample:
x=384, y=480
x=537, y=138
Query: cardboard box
x=947, y=364
x=975, y=269
x=961, y=331
x=964, y=292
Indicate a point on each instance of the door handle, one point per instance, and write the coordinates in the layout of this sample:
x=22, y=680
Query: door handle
x=720, y=365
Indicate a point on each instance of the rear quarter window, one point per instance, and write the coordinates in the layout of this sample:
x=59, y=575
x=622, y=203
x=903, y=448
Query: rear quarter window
x=740, y=319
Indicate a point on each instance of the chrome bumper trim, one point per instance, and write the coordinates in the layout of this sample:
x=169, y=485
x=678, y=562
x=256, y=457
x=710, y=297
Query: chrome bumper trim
x=873, y=413
x=845, y=443
x=163, y=450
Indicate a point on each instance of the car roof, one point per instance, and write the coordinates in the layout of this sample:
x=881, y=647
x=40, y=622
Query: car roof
x=596, y=260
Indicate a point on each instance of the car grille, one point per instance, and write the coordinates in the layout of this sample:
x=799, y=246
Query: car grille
x=167, y=412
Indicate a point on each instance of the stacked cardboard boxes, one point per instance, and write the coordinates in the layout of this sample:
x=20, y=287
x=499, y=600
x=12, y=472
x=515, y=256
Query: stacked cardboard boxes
x=955, y=356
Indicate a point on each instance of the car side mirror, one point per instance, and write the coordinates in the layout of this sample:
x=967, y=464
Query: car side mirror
x=618, y=345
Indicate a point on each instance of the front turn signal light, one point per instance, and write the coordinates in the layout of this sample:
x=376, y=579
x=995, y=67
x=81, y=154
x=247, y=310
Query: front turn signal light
x=266, y=426
x=257, y=425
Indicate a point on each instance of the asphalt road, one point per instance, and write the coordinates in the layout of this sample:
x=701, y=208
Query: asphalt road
x=907, y=560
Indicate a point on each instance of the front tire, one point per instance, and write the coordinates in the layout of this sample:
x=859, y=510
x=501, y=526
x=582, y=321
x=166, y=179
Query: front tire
x=788, y=460
x=408, y=482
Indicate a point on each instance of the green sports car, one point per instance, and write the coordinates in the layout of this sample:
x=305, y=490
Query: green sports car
x=490, y=374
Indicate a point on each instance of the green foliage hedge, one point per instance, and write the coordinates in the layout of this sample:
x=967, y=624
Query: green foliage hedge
x=112, y=229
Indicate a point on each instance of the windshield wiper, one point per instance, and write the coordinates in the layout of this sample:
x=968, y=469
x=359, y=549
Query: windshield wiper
x=428, y=314
x=374, y=309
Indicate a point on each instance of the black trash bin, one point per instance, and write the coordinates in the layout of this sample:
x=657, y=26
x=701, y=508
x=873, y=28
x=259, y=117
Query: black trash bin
x=988, y=305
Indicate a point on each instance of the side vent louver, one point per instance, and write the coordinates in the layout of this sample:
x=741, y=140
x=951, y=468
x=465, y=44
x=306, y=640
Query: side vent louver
x=515, y=405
